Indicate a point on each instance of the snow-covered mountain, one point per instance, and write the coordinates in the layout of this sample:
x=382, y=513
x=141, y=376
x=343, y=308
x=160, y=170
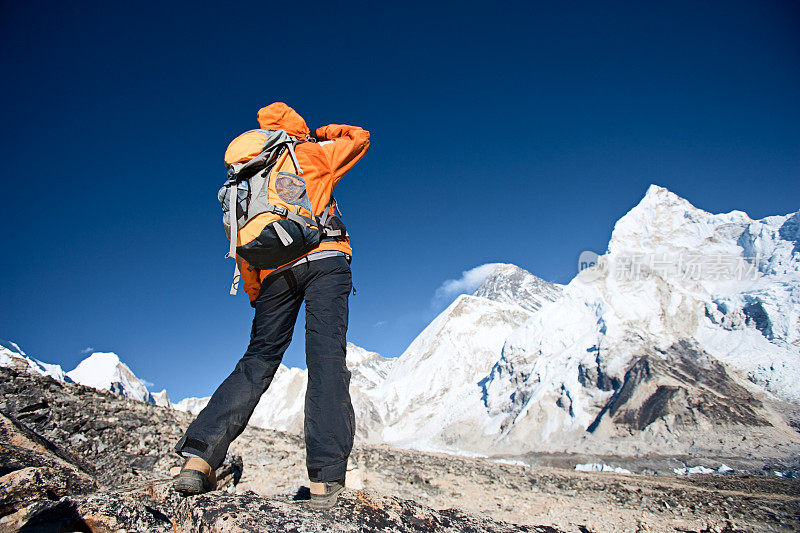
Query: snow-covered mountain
x=423, y=389
x=512, y=285
x=13, y=356
x=161, y=398
x=99, y=370
x=104, y=370
x=683, y=337
x=191, y=405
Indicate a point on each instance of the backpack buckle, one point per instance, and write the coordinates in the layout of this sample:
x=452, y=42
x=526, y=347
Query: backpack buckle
x=279, y=210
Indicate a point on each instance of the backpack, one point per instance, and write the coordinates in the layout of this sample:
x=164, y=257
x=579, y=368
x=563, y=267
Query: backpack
x=273, y=222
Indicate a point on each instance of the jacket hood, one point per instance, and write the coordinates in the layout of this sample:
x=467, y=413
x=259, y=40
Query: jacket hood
x=279, y=116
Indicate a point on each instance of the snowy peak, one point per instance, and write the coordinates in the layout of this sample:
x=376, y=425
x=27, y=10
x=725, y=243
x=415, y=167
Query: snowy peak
x=659, y=198
x=104, y=370
x=514, y=285
x=663, y=219
x=11, y=348
x=11, y=355
x=161, y=398
x=445, y=361
x=663, y=222
x=448, y=344
x=191, y=405
x=367, y=368
x=357, y=355
x=100, y=370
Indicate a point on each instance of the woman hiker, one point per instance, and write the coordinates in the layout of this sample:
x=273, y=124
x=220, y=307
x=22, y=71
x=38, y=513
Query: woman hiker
x=321, y=279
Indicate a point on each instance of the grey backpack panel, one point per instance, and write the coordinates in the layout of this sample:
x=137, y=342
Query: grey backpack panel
x=258, y=195
x=248, y=183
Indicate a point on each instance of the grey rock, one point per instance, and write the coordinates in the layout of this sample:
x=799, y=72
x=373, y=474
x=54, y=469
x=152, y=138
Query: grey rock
x=34, y=468
x=99, y=512
x=356, y=511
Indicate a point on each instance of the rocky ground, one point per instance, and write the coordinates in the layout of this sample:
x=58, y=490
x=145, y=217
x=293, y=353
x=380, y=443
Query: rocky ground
x=77, y=459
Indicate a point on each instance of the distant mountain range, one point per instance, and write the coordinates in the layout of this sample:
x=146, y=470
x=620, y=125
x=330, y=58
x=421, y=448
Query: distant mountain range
x=683, y=338
x=100, y=370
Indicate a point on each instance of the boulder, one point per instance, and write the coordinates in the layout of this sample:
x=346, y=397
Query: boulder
x=102, y=512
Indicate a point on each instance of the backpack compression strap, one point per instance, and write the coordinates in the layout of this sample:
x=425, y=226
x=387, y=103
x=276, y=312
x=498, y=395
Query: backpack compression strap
x=327, y=230
x=233, y=203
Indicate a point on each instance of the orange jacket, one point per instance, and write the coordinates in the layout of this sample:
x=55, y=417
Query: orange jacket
x=324, y=163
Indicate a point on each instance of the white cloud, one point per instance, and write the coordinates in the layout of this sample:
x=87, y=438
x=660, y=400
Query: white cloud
x=88, y=349
x=469, y=281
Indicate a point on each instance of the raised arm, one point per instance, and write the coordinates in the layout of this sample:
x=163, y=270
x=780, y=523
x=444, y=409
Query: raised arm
x=347, y=146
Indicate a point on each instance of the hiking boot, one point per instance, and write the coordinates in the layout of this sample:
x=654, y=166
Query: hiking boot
x=196, y=477
x=327, y=500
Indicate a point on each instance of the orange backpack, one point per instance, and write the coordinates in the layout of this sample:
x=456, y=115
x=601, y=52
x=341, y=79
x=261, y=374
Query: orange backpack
x=273, y=222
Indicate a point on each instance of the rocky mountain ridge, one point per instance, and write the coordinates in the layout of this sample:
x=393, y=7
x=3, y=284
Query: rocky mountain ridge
x=73, y=458
x=100, y=370
x=11, y=355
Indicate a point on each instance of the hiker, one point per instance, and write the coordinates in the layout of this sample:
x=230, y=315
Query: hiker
x=309, y=167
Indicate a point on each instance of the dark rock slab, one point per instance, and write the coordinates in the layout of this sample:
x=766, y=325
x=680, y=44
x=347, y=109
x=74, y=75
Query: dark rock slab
x=686, y=382
x=32, y=469
x=97, y=513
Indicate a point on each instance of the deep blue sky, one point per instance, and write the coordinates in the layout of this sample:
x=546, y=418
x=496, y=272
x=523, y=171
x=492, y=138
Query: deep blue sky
x=509, y=132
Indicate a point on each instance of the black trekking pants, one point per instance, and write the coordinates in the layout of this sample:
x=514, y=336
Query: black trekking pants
x=329, y=427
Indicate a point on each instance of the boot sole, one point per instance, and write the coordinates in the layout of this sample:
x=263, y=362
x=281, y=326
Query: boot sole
x=323, y=503
x=192, y=482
